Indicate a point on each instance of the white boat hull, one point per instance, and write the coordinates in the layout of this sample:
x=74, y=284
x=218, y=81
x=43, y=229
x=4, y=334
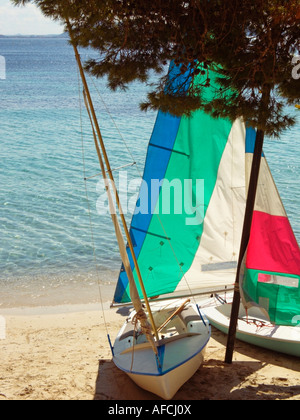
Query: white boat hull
x=181, y=351
x=167, y=385
x=254, y=328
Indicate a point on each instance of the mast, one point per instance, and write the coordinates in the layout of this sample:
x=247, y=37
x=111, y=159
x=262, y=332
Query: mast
x=110, y=174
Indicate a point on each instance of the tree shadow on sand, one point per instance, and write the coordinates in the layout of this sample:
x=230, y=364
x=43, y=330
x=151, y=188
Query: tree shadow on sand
x=113, y=384
x=215, y=380
x=264, y=355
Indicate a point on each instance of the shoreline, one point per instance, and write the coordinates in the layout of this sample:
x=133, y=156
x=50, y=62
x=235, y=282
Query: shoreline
x=62, y=353
x=71, y=308
x=57, y=290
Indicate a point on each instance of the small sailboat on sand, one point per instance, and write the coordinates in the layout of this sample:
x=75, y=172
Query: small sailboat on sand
x=270, y=276
x=254, y=326
x=161, y=345
x=181, y=251
x=183, y=337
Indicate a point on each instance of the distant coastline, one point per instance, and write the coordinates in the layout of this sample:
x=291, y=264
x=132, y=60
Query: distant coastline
x=63, y=35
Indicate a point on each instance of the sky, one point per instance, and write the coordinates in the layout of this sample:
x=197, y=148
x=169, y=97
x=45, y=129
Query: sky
x=26, y=20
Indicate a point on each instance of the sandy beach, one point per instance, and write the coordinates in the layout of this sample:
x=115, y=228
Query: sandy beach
x=62, y=353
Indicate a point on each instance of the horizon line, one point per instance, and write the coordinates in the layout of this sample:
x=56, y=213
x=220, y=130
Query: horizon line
x=32, y=35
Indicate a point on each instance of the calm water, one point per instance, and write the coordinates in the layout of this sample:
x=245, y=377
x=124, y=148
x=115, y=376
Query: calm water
x=44, y=221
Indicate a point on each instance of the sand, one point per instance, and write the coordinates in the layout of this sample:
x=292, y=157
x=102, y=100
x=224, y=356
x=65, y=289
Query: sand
x=62, y=353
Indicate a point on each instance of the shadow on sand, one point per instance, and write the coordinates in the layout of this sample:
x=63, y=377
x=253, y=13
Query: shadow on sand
x=215, y=380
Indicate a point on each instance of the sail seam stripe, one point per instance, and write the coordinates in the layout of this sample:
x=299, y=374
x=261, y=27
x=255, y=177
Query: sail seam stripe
x=169, y=150
x=150, y=233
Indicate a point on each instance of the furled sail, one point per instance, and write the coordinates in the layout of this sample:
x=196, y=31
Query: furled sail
x=187, y=226
x=272, y=272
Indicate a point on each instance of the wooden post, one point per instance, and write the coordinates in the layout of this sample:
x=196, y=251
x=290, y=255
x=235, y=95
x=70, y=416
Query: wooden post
x=244, y=242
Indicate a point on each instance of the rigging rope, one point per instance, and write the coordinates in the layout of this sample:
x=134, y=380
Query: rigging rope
x=141, y=315
x=89, y=207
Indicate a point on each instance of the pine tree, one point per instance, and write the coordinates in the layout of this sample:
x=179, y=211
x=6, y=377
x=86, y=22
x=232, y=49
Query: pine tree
x=251, y=45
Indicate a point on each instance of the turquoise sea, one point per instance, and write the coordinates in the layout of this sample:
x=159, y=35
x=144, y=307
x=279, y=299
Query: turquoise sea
x=46, y=250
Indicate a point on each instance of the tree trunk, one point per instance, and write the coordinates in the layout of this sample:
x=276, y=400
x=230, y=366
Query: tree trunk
x=244, y=242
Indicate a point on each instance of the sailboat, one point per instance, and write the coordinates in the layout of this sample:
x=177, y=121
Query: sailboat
x=182, y=251
x=270, y=277
x=254, y=325
x=161, y=345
